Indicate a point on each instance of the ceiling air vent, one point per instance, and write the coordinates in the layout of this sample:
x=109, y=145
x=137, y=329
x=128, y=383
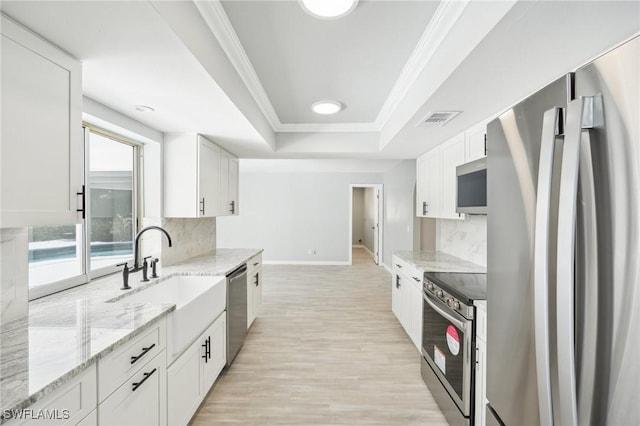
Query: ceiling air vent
x=438, y=118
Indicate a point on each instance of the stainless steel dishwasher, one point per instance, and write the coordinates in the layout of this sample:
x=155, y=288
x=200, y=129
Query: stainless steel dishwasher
x=236, y=311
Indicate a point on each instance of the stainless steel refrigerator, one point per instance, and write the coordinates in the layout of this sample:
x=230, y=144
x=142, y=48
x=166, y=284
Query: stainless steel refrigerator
x=563, y=280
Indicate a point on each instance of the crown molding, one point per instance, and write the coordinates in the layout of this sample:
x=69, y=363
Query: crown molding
x=218, y=22
x=327, y=127
x=445, y=17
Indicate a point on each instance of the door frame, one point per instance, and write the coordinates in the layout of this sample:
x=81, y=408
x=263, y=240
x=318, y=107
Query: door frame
x=380, y=201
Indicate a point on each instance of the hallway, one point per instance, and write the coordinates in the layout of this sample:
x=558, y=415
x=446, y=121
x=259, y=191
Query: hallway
x=325, y=349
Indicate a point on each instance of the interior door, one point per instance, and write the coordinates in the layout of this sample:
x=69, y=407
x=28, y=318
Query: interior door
x=376, y=233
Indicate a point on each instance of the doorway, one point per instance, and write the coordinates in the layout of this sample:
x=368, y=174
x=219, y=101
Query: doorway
x=365, y=218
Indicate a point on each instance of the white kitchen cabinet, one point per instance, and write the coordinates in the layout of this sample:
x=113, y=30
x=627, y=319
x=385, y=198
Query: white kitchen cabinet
x=70, y=403
x=452, y=154
x=193, y=373
x=406, y=299
x=476, y=142
x=254, y=288
x=428, y=184
x=191, y=176
x=41, y=136
x=229, y=189
x=141, y=400
x=481, y=364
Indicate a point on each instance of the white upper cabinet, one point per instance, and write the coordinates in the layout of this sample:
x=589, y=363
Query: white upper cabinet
x=476, y=142
x=428, y=188
x=42, y=142
x=452, y=154
x=229, y=191
x=191, y=176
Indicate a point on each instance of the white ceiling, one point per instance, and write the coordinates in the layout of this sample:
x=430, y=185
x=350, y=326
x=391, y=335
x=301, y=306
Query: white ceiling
x=243, y=74
x=355, y=60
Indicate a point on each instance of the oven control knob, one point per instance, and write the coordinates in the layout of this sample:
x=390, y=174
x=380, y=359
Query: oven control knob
x=456, y=305
x=430, y=287
x=440, y=293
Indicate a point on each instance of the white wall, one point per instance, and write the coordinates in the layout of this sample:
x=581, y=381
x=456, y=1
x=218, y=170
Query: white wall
x=466, y=239
x=399, y=211
x=289, y=213
x=357, y=219
x=370, y=207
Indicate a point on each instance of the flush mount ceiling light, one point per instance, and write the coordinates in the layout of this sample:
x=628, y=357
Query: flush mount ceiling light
x=328, y=9
x=326, y=107
x=144, y=108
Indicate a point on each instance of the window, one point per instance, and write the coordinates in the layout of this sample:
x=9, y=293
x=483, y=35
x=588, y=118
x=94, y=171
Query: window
x=61, y=257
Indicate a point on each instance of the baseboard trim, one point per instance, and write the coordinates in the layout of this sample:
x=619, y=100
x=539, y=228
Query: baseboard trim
x=306, y=262
x=368, y=251
x=387, y=268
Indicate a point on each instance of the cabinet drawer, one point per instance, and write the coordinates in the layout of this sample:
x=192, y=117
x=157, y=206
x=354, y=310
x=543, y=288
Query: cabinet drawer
x=66, y=405
x=119, y=365
x=141, y=399
x=407, y=270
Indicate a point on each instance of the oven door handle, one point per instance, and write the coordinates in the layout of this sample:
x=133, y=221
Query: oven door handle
x=457, y=322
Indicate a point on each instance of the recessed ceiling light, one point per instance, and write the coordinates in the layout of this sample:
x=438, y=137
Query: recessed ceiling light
x=144, y=108
x=328, y=9
x=326, y=107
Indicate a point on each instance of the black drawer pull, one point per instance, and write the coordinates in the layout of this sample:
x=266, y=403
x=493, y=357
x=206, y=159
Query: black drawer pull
x=146, y=376
x=144, y=352
x=256, y=263
x=399, y=266
x=417, y=279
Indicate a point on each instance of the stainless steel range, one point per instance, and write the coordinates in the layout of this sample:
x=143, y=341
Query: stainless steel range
x=448, y=341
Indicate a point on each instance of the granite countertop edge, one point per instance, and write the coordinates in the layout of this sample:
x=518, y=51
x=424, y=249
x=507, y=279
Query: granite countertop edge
x=453, y=263
x=66, y=377
x=179, y=269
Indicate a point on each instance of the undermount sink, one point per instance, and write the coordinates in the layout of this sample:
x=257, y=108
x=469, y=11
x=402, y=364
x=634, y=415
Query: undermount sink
x=198, y=299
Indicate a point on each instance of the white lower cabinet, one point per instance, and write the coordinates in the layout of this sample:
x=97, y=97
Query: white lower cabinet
x=481, y=364
x=193, y=373
x=254, y=288
x=406, y=299
x=141, y=400
x=67, y=405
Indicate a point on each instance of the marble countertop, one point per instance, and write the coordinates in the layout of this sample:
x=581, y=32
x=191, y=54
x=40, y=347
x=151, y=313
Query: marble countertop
x=69, y=331
x=437, y=261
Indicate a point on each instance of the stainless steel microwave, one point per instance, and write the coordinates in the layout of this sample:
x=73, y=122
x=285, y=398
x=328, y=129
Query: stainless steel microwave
x=471, y=195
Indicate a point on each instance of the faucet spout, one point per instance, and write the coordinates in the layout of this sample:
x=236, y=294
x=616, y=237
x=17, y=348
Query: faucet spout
x=136, y=263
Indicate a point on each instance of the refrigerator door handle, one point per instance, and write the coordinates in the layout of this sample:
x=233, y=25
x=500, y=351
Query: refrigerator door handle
x=582, y=114
x=551, y=129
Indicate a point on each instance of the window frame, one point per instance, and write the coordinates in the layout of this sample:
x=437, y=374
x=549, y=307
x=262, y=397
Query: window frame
x=87, y=274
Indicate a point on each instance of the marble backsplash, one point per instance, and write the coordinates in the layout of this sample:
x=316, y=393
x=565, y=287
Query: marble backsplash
x=191, y=237
x=14, y=273
x=466, y=239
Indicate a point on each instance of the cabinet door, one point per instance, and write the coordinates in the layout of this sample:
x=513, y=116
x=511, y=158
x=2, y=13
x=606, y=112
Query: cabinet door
x=257, y=293
x=433, y=189
x=184, y=385
x=213, y=363
x=234, y=195
x=421, y=185
x=414, y=312
x=141, y=400
x=208, y=178
x=452, y=156
x=476, y=142
x=396, y=296
x=480, y=391
x=224, y=208
x=41, y=136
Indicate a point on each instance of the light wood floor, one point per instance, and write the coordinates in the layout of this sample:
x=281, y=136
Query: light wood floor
x=325, y=349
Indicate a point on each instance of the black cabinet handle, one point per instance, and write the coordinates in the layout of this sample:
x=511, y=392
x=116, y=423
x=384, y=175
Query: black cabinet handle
x=257, y=281
x=233, y=207
x=134, y=359
x=256, y=263
x=417, y=279
x=399, y=266
x=485, y=144
x=207, y=349
x=84, y=202
x=146, y=376
x=202, y=207
x=397, y=281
